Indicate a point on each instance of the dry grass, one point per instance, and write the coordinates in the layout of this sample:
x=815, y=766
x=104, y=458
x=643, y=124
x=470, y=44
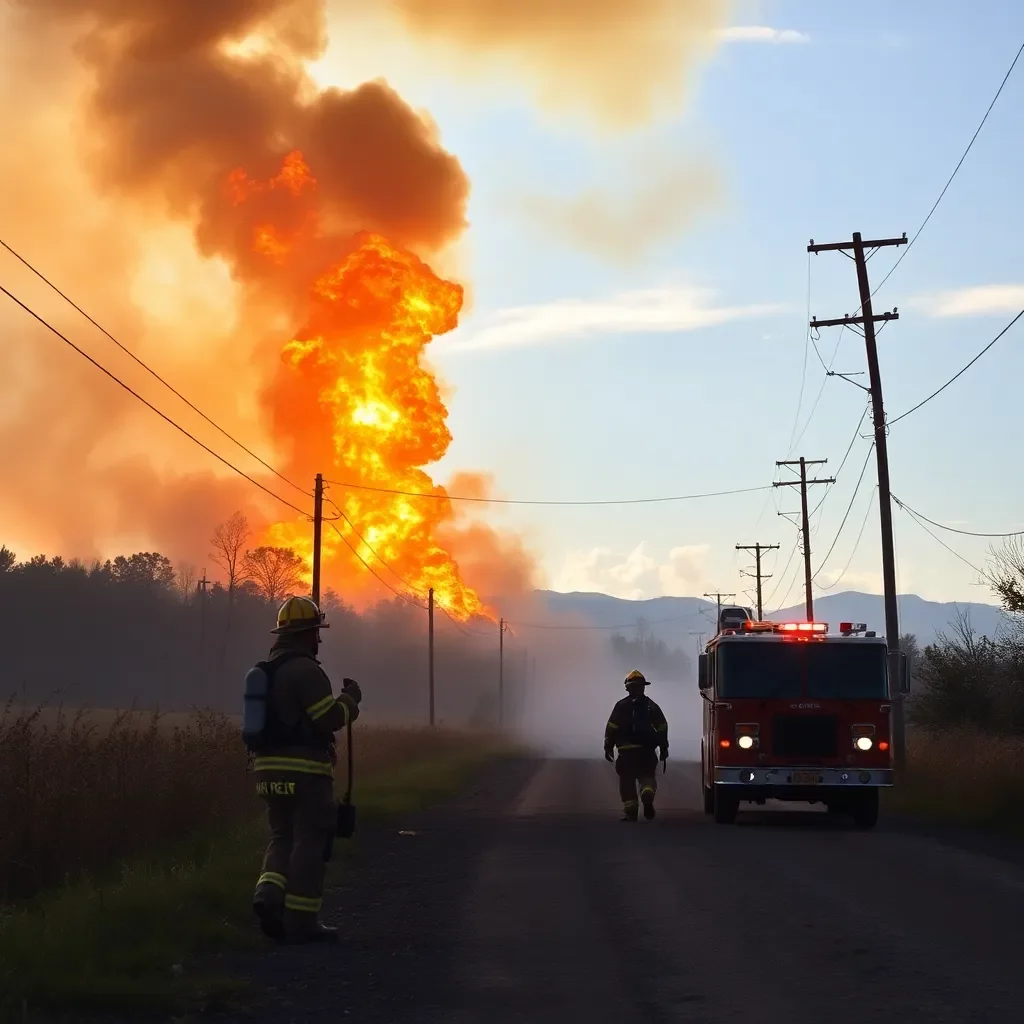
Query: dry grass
x=116, y=941
x=81, y=791
x=964, y=776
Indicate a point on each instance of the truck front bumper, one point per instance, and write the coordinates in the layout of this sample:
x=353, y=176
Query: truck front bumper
x=810, y=778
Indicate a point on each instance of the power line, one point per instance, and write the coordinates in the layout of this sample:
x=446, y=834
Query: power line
x=42, y=277
x=387, y=565
x=938, y=540
x=925, y=401
x=821, y=390
x=945, y=187
x=370, y=569
x=853, y=441
x=149, y=405
x=782, y=575
x=803, y=373
x=951, y=529
x=856, y=545
x=521, y=501
x=856, y=490
x=369, y=547
x=627, y=625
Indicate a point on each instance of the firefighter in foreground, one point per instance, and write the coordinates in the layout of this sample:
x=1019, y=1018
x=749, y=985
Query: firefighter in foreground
x=639, y=729
x=294, y=758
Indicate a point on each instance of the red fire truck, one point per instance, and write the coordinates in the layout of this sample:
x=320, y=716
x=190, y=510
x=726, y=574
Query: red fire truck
x=792, y=712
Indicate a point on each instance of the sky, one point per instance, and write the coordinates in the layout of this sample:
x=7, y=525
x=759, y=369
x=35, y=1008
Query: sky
x=637, y=298
x=677, y=362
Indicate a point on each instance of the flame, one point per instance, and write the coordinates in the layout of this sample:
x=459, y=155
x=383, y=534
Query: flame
x=353, y=401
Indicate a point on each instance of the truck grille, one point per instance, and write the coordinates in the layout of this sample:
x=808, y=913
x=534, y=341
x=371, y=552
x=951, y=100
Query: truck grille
x=804, y=736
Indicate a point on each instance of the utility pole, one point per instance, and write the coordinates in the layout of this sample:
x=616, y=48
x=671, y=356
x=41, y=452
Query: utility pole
x=699, y=634
x=318, y=522
x=501, y=673
x=867, y=320
x=757, y=549
x=718, y=598
x=201, y=589
x=805, y=529
x=430, y=649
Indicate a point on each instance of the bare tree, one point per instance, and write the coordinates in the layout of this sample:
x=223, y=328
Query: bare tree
x=185, y=578
x=1005, y=574
x=229, y=540
x=277, y=572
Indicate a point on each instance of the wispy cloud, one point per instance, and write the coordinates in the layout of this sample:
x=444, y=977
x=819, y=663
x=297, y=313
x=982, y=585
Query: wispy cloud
x=654, y=310
x=982, y=300
x=762, y=34
x=635, y=575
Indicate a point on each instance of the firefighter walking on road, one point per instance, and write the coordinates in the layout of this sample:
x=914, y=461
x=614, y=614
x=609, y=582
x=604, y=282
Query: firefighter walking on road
x=290, y=719
x=639, y=730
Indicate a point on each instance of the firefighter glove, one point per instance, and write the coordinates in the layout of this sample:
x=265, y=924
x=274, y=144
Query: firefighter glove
x=608, y=755
x=351, y=687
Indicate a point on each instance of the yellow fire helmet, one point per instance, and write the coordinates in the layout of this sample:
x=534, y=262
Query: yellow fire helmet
x=636, y=678
x=298, y=614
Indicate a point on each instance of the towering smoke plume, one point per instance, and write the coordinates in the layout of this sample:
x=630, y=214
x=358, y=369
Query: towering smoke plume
x=621, y=60
x=313, y=200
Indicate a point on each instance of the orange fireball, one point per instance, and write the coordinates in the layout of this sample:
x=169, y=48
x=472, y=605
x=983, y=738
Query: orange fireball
x=352, y=400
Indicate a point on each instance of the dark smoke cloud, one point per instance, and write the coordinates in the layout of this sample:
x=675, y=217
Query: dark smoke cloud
x=180, y=101
x=163, y=98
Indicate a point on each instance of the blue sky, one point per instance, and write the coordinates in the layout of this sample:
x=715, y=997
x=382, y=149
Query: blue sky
x=851, y=120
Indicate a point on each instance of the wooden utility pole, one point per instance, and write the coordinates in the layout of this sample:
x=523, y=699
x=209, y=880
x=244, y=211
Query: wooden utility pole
x=501, y=673
x=201, y=589
x=430, y=649
x=318, y=523
x=718, y=599
x=805, y=528
x=757, y=549
x=867, y=320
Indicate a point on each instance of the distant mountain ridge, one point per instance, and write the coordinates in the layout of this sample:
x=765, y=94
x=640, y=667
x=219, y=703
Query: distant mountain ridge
x=674, y=619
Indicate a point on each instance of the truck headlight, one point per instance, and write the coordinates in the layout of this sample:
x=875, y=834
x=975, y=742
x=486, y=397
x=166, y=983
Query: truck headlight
x=864, y=742
x=746, y=735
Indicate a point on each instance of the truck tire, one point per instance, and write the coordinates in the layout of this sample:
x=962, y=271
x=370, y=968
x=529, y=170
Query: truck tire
x=726, y=805
x=865, y=809
x=709, y=800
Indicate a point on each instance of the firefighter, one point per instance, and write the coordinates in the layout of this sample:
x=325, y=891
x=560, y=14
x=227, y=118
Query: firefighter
x=295, y=777
x=638, y=728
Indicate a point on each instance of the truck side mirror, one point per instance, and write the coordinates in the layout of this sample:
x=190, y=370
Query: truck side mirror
x=904, y=674
x=702, y=671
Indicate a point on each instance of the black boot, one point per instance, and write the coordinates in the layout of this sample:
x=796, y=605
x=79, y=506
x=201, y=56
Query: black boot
x=648, y=802
x=630, y=814
x=271, y=917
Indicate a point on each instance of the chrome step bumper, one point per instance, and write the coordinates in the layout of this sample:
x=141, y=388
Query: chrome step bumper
x=804, y=777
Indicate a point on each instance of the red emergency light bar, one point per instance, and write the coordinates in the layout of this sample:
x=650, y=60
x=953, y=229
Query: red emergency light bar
x=784, y=627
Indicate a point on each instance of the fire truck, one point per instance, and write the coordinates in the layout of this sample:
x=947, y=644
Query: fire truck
x=792, y=712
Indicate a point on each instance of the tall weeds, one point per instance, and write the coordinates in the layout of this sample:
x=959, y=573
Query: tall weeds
x=80, y=792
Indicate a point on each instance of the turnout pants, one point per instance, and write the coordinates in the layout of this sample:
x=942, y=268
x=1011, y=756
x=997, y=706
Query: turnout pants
x=302, y=815
x=636, y=767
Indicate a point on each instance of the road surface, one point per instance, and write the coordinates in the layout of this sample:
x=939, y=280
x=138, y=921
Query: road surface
x=527, y=900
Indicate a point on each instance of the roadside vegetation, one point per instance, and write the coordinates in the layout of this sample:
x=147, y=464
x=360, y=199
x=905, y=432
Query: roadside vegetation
x=965, y=748
x=131, y=848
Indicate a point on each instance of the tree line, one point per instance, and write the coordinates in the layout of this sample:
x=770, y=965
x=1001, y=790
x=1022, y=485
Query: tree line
x=139, y=631
x=964, y=679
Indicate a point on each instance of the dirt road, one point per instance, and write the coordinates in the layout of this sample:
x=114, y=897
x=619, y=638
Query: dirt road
x=527, y=900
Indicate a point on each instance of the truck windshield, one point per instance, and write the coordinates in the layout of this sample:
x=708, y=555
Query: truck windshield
x=845, y=670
